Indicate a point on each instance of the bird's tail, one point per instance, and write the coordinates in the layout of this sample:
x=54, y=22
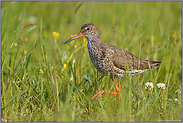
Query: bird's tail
x=150, y=64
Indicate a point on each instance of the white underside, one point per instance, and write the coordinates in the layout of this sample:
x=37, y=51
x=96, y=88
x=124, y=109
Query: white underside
x=130, y=73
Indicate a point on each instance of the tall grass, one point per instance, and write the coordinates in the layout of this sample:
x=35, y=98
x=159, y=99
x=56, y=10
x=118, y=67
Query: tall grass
x=42, y=79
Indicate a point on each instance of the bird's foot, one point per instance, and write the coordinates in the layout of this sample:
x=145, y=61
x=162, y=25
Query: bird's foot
x=102, y=92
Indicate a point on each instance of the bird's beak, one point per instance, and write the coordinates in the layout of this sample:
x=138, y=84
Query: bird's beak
x=77, y=36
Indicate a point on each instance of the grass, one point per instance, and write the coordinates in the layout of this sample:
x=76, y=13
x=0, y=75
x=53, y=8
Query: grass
x=42, y=79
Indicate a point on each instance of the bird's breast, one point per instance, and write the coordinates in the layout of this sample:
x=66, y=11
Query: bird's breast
x=99, y=59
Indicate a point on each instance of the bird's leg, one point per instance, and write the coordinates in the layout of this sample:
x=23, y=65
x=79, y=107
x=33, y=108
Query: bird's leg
x=119, y=88
x=103, y=91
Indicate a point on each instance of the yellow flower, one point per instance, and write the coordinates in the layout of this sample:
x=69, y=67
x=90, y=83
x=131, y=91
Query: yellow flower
x=56, y=35
x=75, y=46
x=25, y=38
x=65, y=66
x=90, y=109
x=40, y=71
x=175, y=35
x=84, y=41
x=81, y=111
x=74, y=97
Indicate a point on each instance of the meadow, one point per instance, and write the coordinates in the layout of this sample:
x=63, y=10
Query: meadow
x=42, y=79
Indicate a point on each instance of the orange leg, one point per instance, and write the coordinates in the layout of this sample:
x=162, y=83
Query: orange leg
x=119, y=88
x=103, y=91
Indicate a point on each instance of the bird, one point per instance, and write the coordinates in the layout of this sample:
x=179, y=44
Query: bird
x=112, y=60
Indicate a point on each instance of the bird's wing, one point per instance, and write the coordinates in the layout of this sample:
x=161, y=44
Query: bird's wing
x=124, y=60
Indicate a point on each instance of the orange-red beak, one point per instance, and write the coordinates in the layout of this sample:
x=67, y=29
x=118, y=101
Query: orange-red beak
x=77, y=36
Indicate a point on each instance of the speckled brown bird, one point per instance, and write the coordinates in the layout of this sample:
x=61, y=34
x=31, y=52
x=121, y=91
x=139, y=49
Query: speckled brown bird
x=111, y=59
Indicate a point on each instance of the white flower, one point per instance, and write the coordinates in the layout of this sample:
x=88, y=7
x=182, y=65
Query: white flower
x=149, y=86
x=177, y=101
x=4, y=120
x=85, y=76
x=178, y=91
x=161, y=85
x=73, y=61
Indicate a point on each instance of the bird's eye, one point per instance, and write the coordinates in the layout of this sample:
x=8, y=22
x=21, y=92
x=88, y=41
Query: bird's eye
x=87, y=28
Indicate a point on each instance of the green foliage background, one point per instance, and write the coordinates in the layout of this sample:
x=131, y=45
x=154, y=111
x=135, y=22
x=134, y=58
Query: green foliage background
x=36, y=87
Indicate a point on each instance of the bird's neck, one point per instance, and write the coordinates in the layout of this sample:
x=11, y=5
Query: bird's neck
x=93, y=45
x=94, y=41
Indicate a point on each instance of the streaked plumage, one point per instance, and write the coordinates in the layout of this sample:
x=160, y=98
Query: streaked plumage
x=109, y=59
